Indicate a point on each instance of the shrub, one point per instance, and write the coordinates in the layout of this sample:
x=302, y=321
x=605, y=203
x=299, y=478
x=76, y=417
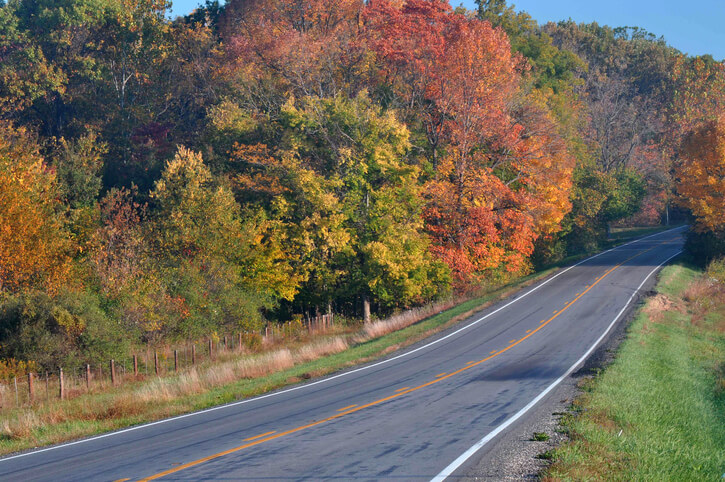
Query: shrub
x=67, y=331
x=704, y=247
x=716, y=270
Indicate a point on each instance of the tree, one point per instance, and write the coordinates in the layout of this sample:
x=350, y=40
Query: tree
x=25, y=73
x=487, y=199
x=35, y=249
x=701, y=175
x=303, y=47
x=220, y=264
x=79, y=165
x=350, y=203
x=363, y=149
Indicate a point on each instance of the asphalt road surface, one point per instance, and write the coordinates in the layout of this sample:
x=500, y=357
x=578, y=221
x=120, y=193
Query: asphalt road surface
x=422, y=414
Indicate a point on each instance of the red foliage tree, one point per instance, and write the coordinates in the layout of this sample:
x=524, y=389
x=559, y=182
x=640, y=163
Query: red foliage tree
x=498, y=182
x=304, y=47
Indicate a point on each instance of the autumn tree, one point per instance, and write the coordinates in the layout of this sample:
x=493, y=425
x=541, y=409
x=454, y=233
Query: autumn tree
x=487, y=199
x=302, y=47
x=350, y=203
x=34, y=246
x=701, y=175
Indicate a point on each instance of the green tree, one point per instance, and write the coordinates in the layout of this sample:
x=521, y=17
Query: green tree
x=221, y=267
x=362, y=151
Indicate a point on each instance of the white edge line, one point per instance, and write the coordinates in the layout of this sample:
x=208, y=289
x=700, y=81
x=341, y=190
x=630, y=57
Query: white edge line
x=324, y=380
x=448, y=471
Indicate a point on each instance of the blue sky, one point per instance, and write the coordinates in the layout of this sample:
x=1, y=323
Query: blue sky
x=695, y=27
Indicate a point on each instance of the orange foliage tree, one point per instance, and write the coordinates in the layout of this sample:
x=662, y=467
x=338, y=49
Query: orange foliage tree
x=34, y=248
x=701, y=175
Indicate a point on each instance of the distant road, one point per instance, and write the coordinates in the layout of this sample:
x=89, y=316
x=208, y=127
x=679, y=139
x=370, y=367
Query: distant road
x=418, y=415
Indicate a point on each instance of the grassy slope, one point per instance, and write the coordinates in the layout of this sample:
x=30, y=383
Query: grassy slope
x=658, y=412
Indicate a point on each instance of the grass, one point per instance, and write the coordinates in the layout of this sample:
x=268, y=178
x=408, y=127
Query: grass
x=540, y=437
x=658, y=412
x=230, y=377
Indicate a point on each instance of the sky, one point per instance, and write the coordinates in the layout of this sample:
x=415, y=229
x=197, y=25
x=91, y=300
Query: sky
x=695, y=27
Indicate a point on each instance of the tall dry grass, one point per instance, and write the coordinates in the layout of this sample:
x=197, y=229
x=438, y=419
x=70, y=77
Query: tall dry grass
x=402, y=320
x=135, y=399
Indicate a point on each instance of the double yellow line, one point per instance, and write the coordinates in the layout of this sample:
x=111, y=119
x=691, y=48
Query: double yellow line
x=266, y=437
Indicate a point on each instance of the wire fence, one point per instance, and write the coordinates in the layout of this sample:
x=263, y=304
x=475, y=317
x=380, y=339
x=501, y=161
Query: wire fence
x=32, y=389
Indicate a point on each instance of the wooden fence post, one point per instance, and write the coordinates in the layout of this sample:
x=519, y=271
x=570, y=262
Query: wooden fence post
x=156, y=362
x=193, y=354
x=240, y=341
x=47, y=387
x=225, y=342
x=113, y=372
x=31, y=391
x=61, y=386
x=211, y=348
x=176, y=360
x=135, y=366
x=88, y=377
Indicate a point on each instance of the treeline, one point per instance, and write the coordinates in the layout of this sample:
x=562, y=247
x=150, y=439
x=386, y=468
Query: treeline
x=161, y=180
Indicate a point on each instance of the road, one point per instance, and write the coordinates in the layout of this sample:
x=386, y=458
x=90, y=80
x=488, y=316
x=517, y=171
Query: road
x=422, y=414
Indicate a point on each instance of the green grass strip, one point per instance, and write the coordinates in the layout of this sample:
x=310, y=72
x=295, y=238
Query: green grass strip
x=658, y=412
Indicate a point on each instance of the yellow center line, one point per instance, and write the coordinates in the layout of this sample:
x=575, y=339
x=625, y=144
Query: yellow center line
x=399, y=393
x=528, y=331
x=440, y=374
x=347, y=408
x=259, y=436
x=472, y=361
x=401, y=389
x=512, y=341
x=122, y=480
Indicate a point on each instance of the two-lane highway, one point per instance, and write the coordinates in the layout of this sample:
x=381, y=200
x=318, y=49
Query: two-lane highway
x=419, y=414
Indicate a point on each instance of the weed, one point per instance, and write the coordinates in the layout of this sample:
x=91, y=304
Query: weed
x=548, y=455
x=540, y=437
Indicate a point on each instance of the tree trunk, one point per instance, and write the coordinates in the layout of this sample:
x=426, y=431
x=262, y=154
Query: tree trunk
x=667, y=211
x=366, y=309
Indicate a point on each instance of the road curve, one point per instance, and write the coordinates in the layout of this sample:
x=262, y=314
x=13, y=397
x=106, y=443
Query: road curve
x=418, y=415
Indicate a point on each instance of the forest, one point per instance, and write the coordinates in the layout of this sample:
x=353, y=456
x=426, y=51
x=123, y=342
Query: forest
x=267, y=160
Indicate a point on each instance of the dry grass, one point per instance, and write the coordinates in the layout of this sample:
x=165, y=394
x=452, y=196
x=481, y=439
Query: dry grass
x=402, y=320
x=705, y=297
x=131, y=401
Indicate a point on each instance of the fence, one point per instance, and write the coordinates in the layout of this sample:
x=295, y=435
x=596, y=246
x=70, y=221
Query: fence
x=37, y=388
